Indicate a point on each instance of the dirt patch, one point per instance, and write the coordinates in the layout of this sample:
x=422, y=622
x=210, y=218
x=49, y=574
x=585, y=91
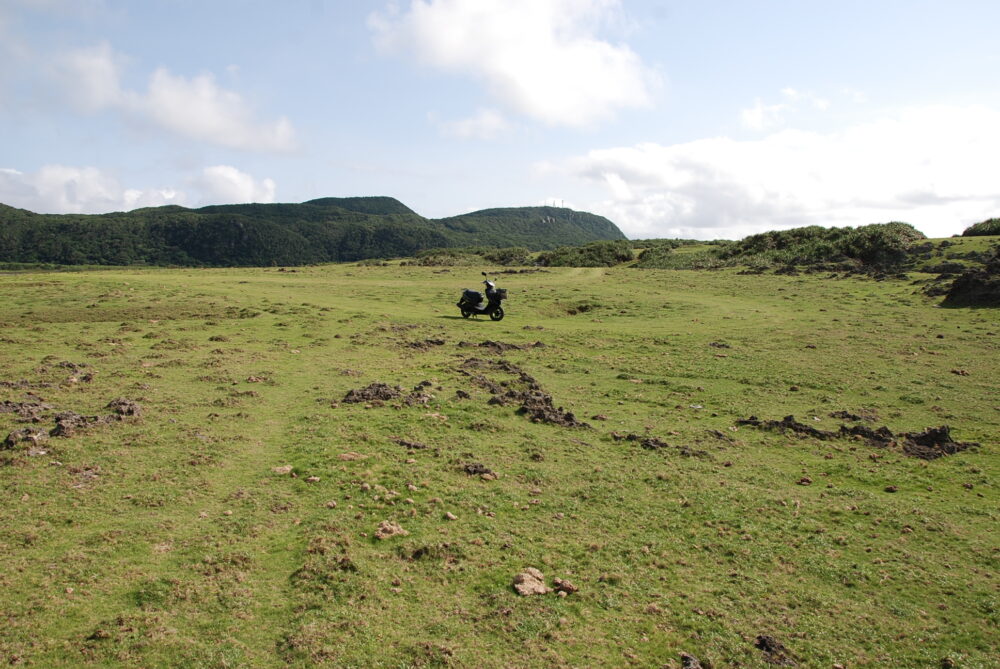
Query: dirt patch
x=500, y=347
x=774, y=651
x=375, y=392
x=977, y=288
x=426, y=344
x=863, y=415
x=530, y=582
x=657, y=444
x=412, y=445
x=477, y=469
x=28, y=412
x=29, y=435
x=523, y=390
x=387, y=529
x=932, y=443
x=68, y=423
x=125, y=407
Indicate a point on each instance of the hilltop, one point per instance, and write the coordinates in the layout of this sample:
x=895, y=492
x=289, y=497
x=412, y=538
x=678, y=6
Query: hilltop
x=321, y=230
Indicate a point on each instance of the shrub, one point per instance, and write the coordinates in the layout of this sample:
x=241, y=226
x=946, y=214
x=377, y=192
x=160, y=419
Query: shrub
x=595, y=254
x=987, y=227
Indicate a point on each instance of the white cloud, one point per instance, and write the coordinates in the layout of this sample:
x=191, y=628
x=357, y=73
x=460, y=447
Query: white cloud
x=485, y=124
x=61, y=189
x=933, y=167
x=762, y=117
x=200, y=109
x=197, y=108
x=540, y=58
x=224, y=184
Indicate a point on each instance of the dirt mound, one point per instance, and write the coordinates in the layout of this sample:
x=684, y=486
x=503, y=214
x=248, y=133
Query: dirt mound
x=932, y=443
x=502, y=347
x=476, y=469
x=523, y=390
x=375, y=392
x=28, y=434
x=656, y=444
x=530, y=582
x=787, y=424
x=977, y=288
x=426, y=344
x=26, y=411
x=774, y=651
x=69, y=422
x=124, y=407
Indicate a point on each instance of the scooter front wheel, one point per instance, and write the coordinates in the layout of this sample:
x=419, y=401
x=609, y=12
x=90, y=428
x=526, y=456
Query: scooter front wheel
x=466, y=314
x=497, y=314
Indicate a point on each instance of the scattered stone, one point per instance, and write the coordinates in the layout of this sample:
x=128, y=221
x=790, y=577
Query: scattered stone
x=960, y=372
x=805, y=480
x=530, y=582
x=387, y=529
x=450, y=516
x=891, y=488
x=351, y=456
x=284, y=470
x=312, y=479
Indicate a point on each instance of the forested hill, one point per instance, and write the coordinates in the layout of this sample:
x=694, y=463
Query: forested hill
x=322, y=230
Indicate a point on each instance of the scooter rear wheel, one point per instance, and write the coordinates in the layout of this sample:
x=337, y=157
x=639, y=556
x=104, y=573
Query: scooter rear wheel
x=497, y=315
x=466, y=314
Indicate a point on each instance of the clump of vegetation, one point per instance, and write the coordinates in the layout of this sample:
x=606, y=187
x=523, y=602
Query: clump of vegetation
x=595, y=254
x=985, y=228
x=463, y=257
x=876, y=246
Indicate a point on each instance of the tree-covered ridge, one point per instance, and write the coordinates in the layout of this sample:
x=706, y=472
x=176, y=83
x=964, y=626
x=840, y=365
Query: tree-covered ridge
x=323, y=230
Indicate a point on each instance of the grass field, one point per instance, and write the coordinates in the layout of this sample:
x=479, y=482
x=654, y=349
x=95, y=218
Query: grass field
x=234, y=522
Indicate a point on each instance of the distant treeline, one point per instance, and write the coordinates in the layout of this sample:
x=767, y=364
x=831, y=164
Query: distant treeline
x=324, y=230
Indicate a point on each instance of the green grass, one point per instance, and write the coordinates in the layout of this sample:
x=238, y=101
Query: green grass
x=169, y=540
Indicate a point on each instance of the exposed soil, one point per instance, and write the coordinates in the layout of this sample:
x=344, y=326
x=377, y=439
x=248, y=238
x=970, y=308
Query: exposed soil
x=977, y=288
x=774, y=651
x=656, y=444
x=31, y=412
x=530, y=582
x=476, y=469
x=68, y=423
x=426, y=344
x=933, y=442
x=30, y=435
x=380, y=392
x=525, y=391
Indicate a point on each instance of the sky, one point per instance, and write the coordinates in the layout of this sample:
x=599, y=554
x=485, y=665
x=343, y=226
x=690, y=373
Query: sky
x=701, y=119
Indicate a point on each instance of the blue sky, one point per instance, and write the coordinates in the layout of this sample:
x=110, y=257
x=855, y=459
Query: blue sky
x=697, y=119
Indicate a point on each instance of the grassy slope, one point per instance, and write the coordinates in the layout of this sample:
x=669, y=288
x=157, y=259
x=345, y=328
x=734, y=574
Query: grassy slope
x=125, y=551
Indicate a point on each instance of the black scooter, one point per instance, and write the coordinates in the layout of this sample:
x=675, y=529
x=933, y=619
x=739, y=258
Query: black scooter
x=472, y=303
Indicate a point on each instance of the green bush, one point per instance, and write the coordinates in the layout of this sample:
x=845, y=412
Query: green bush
x=595, y=254
x=987, y=227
